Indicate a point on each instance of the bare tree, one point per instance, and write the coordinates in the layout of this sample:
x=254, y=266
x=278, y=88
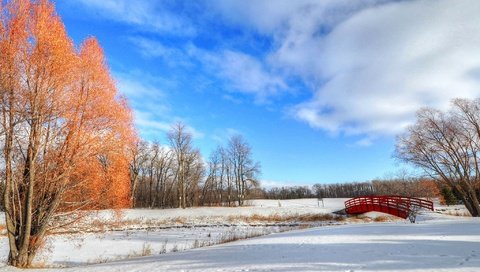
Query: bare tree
x=245, y=170
x=194, y=174
x=181, y=144
x=210, y=193
x=139, y=156
x=232, y=174
x=213, y=187
x=168, y=176
x=446, y=145
x=155, y=177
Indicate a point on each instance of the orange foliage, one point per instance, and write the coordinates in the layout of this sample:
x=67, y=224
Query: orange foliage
x=104, y=125
x=87, y=128
x=428, y=188
x=65, y=130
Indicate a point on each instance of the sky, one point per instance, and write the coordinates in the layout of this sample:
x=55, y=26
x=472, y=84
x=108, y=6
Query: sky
x=320, y=89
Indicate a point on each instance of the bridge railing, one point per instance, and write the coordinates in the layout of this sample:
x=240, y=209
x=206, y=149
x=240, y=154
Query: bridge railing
x=403, y=204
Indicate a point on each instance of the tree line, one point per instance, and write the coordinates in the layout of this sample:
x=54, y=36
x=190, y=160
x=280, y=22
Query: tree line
x=411, y=187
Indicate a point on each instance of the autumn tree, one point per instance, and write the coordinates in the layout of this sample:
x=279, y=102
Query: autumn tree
x=446, y=145
x=102, y=122
x=65, y=131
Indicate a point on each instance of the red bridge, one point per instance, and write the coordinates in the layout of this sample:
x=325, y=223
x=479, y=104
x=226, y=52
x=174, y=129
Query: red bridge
x=395, y=205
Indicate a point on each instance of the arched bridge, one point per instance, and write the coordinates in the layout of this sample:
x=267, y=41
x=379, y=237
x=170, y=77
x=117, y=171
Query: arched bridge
x=395, y=205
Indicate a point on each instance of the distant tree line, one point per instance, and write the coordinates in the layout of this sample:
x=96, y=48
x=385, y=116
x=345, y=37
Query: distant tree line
x=176, y=175
x=412, y=187
x=288, y=192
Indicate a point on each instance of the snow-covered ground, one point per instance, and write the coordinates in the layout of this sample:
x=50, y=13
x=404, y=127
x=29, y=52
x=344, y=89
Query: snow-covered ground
x=255, y=207
x=142, y=232
x=436, y=243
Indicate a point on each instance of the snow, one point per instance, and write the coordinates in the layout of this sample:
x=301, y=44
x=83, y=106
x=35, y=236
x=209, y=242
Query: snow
x=437, y=242
x=255, y=207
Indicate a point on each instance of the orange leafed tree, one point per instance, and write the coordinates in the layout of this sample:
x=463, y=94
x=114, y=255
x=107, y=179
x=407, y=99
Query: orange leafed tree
x=65, y=131
x=103, y=123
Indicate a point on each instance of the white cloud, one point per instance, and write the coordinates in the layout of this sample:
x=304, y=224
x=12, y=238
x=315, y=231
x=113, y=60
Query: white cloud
x=143, y=92
x=173, y=56
x=242, y=72
x=130, y=85
x=196, y=134
x=371, y=64
x=151, y=110
x=276, y=17
x=148, y=16
x=249, y=75
x=384, y=63
x=150, y=48
x=154, y=126
x=146, y=121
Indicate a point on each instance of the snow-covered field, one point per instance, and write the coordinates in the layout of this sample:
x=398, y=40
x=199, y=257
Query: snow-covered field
x=436, y=243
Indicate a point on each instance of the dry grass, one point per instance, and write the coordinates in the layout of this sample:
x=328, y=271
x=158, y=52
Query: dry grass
x=39, y=265
x=180, y=220
x=119, y=223
x=382, y=218
x=146, y=250
x=361, y=218
x=278, y=218
x=458, y=213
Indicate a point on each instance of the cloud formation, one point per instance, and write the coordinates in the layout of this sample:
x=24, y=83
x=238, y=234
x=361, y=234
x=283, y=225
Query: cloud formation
x=372, y=64
x=148, y=16
x=243, y=73
x=152, y=111
x=369, y=65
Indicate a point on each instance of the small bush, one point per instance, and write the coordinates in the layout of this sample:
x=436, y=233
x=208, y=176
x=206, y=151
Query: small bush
x=146, y=249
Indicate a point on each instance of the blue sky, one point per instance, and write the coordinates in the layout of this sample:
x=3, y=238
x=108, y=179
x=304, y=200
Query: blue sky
x=318, y=88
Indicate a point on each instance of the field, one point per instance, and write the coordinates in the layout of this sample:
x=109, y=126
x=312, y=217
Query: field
x=311, y=239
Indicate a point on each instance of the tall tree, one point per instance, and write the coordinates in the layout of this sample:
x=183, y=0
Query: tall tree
x=138, y=157
x=245, y=170
x=181, y=144
x=65, y=131
x=447, y=146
